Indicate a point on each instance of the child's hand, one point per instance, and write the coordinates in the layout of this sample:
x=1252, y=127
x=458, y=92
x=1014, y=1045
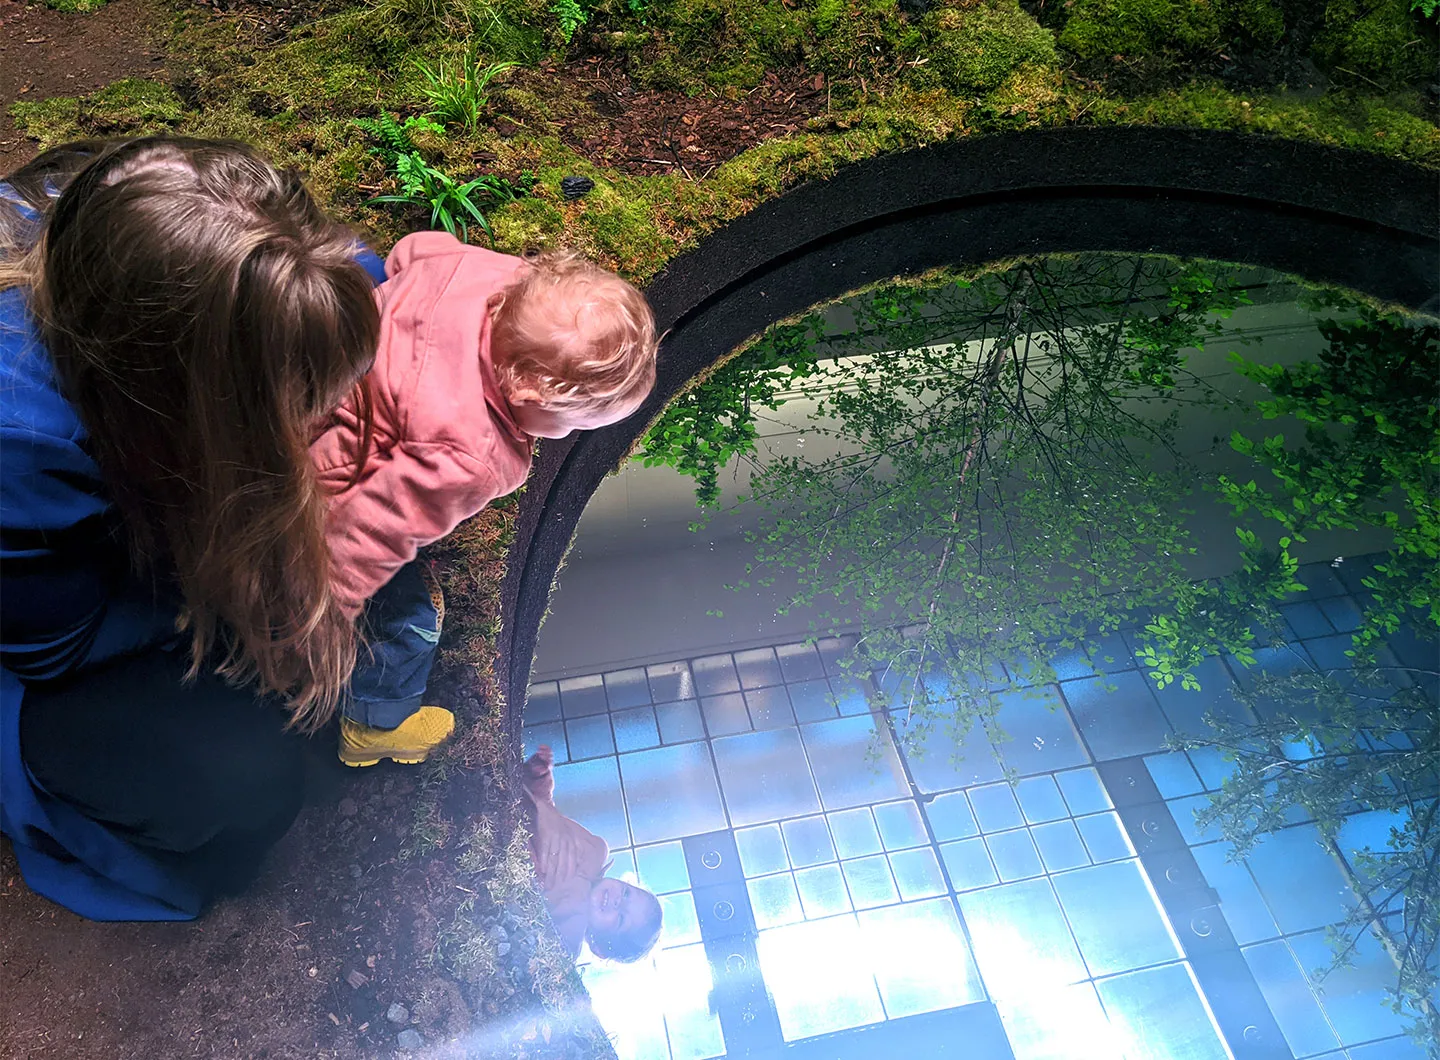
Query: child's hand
x=558, y=847
x=539, y=776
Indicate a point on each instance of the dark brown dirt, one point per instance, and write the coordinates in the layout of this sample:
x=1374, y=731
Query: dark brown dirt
x=45, y=53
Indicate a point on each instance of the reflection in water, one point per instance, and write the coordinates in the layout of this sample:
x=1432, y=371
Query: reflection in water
x=1049, y=708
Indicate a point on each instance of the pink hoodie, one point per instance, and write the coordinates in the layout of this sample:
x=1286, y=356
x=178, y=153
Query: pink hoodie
x=445, y=441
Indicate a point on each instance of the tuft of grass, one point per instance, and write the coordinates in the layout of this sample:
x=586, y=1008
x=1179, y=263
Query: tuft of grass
x=459, y=97
x=77, y=7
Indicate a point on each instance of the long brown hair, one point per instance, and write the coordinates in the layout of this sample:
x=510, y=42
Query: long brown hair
x=203, y=315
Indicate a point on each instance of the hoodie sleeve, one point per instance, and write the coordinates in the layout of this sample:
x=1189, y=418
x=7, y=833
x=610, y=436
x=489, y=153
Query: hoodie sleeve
x=409, y=496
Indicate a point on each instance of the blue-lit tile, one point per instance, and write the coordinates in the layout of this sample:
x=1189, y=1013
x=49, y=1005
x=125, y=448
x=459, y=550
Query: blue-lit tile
x=1301, y=882
x=950, y=816
x=769, y=707
x=671, y=793
x=917, y=873
x=635, y=729
x=1290, y=998
x=637, y=1031
x=901, y=825
x=1021, y=940
x=589, y=792
x=627, y=688
x=581, y=696
x=725, y=715
x=800, y=662
x=1184, y=811
x=822, y=891
x=686, y=984
x=1173, y=775
x=680, y=722
x=816, y=983
x=542, y=702
x=1040, y=800
x=812, y=700
x=1329, y=653
x=622, y=866
x=670, y=682
x=1060, y=846
x=1104, y=837
x=1187, y=708
x=1245, y=911
x=1061, y=1023
x=850, y=695
x=1278, y=662
x=762, y=850
x=869, y=881
x=1369, y=830
x=715, y=675
x=765, y=776
x=855, y=833
x=896, y=936
x=1158, y=1014
x=847, y=771
x=589, y=737
x=808, y=841
x=1115, y=918
x=968, y=863
x=938, y=761
x=549, y=733
x=996, y=808
x=1320, y=580
x=834, y=652
x=1117, y=714
x=1355, y=996
x=1106, y=655
x=1083, y=791
x=757, y=668
x=679, y=924
x=1211, y=766
x=1306, y=619
x=1343, y=614
x=1389, y=1049
x=774, y=901
x=661, y=868
x=1043, y=738
x=1014, y=855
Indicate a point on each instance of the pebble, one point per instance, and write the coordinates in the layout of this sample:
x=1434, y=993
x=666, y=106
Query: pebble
x=572, y=188
x=409, y=1039
x=347, y=807
x=398, y=1013
x=356, y=872
x=498, y=932
x=503, y=949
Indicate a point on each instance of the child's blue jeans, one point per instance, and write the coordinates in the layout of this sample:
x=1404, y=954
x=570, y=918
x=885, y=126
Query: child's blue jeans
x=402, y=634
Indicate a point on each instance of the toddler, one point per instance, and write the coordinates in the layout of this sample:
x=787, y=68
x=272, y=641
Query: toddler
x=479, y=354
x=620, y=921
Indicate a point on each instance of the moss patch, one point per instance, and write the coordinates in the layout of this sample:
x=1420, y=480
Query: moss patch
x=1385, y=43
x=79, y=7
x=1099, y=28
x=976, y=48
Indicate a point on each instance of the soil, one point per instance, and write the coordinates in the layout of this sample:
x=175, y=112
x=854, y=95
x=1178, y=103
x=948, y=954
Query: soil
x=45, y=53
x=643, y=131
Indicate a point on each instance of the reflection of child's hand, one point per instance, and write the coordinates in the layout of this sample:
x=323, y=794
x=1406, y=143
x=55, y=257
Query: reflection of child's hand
x=557, y=848
x=539, y=777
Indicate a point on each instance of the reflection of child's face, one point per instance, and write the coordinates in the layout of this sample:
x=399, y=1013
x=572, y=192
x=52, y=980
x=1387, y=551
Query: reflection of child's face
x=614, y=906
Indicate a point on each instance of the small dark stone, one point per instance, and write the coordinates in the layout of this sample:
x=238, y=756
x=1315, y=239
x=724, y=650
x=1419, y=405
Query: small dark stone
x=347, y=807
x=409, y=1039
x=573, y=188
x=356, y=872
x=503, y=949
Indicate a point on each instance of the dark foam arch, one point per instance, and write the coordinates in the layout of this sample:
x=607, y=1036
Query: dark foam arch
x=1339, y=217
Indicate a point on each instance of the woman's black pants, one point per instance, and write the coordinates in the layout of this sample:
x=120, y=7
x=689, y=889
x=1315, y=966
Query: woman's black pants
x=201, y=774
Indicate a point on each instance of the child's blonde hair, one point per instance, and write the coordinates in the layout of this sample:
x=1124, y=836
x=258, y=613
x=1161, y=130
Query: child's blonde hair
x=578, y=338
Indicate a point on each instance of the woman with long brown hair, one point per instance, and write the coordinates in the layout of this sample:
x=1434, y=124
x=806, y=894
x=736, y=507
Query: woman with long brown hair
x=176, y=317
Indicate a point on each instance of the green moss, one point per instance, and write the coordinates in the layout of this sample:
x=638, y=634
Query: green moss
x=1382, y=42
x=129, y=107
x=1390, y=126
x=1101, y=28
x=79, y=7
x=977, y=48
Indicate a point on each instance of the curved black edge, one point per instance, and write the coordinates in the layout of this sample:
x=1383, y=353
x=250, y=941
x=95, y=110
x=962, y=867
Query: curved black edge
x=1367, y=223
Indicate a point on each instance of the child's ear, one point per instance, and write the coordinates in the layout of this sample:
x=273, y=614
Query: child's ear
x=524, y=395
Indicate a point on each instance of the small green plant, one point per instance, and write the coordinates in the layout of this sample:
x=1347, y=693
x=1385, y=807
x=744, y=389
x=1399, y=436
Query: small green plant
x=1425, y=7
x=452, y=205
x=571, y=15
x=459, y=98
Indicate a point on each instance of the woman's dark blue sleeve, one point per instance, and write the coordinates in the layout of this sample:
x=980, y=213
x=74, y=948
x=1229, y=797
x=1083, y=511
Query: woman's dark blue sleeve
x=374, y=264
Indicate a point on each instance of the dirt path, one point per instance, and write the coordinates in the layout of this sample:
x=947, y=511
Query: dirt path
x=45, y=53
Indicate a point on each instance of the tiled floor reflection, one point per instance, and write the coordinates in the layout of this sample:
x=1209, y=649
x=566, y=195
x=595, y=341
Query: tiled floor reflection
x=887, y=880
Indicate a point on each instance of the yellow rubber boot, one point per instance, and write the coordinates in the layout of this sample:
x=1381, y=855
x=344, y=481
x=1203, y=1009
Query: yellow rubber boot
x=411, y=743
